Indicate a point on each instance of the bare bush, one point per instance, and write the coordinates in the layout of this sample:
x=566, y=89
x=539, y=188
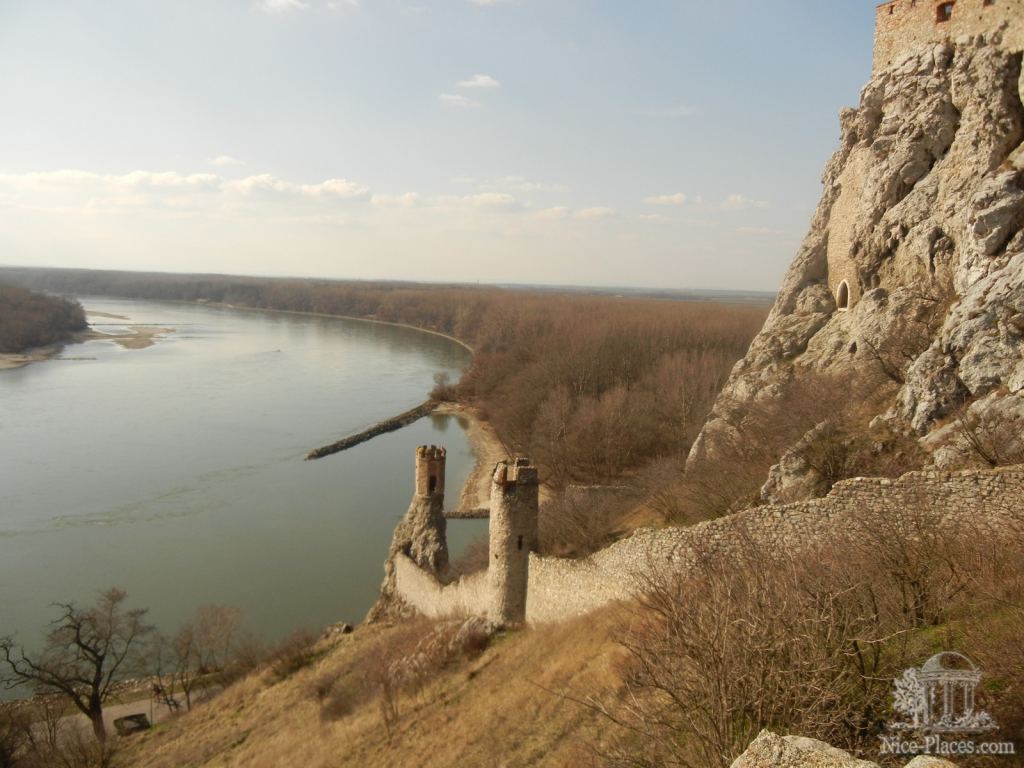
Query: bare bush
x=294, y=652
x=716, y=657
x=87, y=651
x=991, y=439
x=810, y=643
x=444, y=391
x=582, y=520
x=843, y=444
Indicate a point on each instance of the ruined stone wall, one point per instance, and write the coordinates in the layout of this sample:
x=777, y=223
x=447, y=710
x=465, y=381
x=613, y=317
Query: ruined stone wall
x=558, y=589
x=903, y=24
x=469, y=596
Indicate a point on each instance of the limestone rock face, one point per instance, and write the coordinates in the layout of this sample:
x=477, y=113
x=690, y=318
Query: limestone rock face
x=793, y=478
x=921, y=224
x=771, y=751
x=421, y=536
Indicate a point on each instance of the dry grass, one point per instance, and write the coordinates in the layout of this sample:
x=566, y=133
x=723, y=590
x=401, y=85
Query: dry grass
x=470, y=713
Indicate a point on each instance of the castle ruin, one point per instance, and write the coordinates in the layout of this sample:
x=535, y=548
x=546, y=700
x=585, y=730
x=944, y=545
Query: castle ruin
x=900, y=27
x=513, y=536
x=419, y=548
x=904, y=24
x=521, y=586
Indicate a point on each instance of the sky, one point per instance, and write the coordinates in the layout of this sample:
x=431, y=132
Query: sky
x=651, y=143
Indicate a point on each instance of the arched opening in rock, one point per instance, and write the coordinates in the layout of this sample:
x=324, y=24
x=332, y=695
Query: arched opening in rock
x=944, y=12
x=843, y=296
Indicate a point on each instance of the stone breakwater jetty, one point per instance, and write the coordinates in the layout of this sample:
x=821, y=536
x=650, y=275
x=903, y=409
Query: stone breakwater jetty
x=380, y=428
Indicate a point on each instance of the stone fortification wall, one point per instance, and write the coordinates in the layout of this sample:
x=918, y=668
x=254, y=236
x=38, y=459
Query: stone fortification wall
x=904, y=24
x=469, y=596
x=992, y=500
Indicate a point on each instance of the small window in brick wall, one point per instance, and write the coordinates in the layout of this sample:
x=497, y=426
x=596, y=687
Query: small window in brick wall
x=433, y=484
x=520, y=544
x=944, y=12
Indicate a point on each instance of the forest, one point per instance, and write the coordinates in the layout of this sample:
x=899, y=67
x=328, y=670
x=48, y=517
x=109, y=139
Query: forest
x=595, y=388
x=29, y=319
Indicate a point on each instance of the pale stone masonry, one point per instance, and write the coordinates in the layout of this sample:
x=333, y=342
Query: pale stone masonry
x=904, y=24
x=513, y=536
x=990, y=501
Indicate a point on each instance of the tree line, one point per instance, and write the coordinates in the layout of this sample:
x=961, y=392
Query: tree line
x=29, y=319
x=593, y=387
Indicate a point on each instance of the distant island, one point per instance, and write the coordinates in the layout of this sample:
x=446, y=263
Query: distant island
x=29, y=319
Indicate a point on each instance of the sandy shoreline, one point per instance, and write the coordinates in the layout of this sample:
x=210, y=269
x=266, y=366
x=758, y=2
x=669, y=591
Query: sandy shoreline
x=139, y=337
x=488, y=450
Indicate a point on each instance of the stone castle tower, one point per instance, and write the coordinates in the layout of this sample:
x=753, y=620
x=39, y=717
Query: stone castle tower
x=430, y=461
x=424, y=524
x=513, y=536
x=417, y=562
x=421, y=535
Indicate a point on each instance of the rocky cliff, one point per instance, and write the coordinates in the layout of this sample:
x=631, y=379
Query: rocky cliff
x=771, y=751
x=913, y=269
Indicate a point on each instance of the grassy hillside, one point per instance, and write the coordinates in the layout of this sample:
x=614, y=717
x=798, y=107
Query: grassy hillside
x=497, y=707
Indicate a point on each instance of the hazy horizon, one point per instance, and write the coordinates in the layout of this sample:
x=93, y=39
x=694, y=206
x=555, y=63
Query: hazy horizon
x=674, y=146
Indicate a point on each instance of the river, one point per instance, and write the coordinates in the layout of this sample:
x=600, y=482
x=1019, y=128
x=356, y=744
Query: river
x=176, y=472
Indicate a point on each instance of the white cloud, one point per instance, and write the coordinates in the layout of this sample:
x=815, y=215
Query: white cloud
x=479, y=81
x=225, y=161
x=407, y=200
x=280, y=6
x=737, y=202
x=341, y=5
x=463, y=180
x=88, y=192
x=522, y=184
x=597, y=212
x=553, y=214
x=491, y=200
x=342, y=188
x=457, y=100
x=678, y=198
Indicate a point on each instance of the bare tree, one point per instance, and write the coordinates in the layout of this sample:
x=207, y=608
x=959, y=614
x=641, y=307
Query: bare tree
x=214, y=632
x=202, y=647
x=86, y=652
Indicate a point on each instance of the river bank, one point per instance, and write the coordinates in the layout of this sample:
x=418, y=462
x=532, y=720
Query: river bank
x=137, y=337
x=443, y=335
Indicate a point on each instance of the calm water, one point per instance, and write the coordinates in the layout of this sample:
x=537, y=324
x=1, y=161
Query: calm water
x=176, y=471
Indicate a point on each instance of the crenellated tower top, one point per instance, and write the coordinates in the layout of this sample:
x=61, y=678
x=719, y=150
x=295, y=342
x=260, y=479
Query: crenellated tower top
x=430, y=460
